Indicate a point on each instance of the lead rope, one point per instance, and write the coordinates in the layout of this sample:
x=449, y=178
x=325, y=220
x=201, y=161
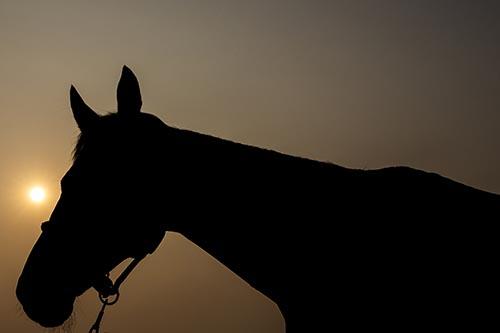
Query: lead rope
x=115, y=292
x=95, y=327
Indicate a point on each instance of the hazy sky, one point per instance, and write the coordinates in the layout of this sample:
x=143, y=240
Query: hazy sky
x=364, y=84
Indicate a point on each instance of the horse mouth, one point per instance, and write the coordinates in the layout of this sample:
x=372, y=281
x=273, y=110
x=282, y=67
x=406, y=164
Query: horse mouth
x=45, y=308
x=48, y=314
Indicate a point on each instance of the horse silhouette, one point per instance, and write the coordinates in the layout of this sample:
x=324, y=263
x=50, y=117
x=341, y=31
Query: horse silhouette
x=334, y=248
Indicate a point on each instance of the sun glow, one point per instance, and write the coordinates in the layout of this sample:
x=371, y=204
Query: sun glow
x=37, y=194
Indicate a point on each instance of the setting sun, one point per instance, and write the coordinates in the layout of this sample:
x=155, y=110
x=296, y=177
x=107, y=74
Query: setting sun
x=37, y=194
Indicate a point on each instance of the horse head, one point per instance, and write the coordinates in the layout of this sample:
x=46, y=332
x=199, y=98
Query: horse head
x=107, y=211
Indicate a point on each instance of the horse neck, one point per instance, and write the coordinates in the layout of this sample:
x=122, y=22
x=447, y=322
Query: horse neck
x=204, y=171
x=220, y=192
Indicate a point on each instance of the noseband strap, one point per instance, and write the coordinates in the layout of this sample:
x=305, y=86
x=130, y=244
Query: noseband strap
x=110, y=295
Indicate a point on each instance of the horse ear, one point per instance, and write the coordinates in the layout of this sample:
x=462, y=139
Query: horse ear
x=128, y=93
x=82, y=113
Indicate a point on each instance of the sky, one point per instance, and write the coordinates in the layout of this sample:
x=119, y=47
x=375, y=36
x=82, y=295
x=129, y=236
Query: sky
x=363, y=84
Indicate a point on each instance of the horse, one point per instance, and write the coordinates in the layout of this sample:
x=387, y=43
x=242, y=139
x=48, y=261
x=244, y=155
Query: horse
x=335, y=248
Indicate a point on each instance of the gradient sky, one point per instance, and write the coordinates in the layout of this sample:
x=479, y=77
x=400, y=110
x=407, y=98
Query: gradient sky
x=364, y=84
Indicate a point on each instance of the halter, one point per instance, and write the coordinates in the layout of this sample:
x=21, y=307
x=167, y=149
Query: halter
x=112, y=295
x=109, y=294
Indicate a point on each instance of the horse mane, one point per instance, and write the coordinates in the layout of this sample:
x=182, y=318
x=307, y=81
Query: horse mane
x=77, y=149
x=82, y=140
x=83, y=137
x=224, y=147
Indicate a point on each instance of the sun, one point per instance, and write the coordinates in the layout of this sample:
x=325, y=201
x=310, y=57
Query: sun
x=37, y=194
